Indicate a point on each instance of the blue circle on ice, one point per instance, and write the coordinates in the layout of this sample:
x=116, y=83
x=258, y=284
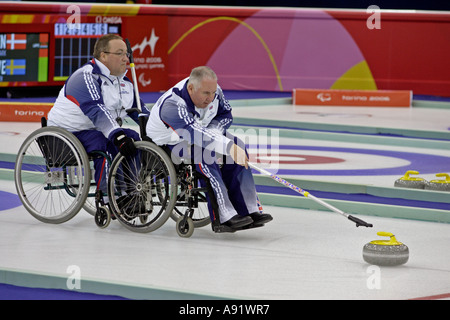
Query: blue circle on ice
x=9, y=200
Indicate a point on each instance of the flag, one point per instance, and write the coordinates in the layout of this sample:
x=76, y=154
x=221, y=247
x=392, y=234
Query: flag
x=16, y=41
x=16, y=67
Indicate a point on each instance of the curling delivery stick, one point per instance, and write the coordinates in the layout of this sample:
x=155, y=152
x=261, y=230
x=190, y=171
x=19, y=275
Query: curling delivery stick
x=142, y=116
x=306, y=194
x=133, y=75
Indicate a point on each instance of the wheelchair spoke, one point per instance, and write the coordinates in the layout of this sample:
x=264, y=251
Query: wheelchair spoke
x=140, y=189
x=50, y=175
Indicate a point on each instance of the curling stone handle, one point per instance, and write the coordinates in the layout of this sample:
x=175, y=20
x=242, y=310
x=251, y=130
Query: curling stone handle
x=444, y=175
x=411, y=172
x=385, y=234
x=392, y=241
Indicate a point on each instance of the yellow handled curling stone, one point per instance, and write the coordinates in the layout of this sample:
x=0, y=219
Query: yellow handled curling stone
x=439, y=185
x=386, y=252
x=410, y=182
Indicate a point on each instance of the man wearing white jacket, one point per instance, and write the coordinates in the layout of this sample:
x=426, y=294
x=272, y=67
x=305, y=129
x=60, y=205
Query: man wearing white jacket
x=191, y=119
x=94, y=100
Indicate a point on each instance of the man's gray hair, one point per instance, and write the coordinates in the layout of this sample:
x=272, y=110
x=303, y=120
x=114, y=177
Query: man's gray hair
x=199, y=73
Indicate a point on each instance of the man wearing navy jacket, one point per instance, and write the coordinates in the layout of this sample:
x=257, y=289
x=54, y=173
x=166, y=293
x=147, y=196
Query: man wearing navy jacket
x=93, y=103
x=191, y=119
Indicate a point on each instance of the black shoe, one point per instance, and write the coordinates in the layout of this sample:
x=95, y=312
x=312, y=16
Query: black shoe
x=260, y=219
x=238, y=221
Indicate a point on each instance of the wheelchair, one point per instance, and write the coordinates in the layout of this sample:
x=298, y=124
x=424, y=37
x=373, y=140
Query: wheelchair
x=53, y=178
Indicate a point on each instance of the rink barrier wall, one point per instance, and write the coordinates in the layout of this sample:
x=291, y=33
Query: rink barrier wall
x=16, y=111
x=44, y=280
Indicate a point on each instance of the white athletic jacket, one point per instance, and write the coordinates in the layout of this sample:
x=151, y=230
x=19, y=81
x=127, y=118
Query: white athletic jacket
x=175, y=118
x=94, y=99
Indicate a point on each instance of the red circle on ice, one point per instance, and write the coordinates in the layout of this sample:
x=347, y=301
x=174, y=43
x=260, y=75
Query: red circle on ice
x=297, y=159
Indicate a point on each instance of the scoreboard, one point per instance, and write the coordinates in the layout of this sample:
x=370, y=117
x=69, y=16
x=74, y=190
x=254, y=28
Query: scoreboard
x=42, y=44
x=74, y=45
x=23, y=57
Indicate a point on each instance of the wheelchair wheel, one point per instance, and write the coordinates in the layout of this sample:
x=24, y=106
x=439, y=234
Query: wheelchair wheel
x=142, y=190
x=185, y=227
x=52, y=175
x=89, y=204
x=102, y=217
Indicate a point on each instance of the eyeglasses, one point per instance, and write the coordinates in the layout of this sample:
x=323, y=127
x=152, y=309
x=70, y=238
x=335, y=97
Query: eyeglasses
x=120, y=54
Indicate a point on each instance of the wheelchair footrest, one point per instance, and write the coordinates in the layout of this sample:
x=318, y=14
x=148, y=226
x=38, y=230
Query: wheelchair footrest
x=223, y=229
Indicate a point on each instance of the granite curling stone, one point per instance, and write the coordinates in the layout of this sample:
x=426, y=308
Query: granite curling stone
x=410, y=182
x=385, y=252
x=439, y=185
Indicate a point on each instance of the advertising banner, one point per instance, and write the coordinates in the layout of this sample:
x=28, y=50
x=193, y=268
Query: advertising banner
x=21, y=112
x=373, y=98
x=148, y=40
